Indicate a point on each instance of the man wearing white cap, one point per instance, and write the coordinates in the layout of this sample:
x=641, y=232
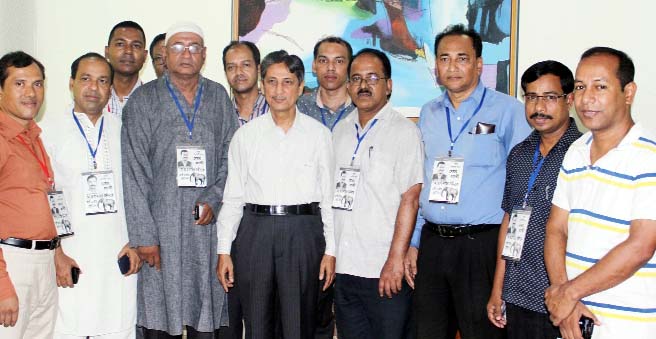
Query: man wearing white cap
x=171, y=218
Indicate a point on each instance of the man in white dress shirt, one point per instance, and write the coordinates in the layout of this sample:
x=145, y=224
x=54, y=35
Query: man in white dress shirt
x=276, y=208
x=381, y=150
x=84, y=143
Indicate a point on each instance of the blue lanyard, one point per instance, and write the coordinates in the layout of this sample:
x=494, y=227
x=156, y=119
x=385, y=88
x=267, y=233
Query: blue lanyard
x=534, y=175
x=339, y=117
x=190, y=124
x=91, y=150
x=360, y=138
x=464, y=126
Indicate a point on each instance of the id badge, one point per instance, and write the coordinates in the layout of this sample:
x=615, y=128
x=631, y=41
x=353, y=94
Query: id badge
x=514, y=242
x=99, y=194
x=60, y=213
x=191, y=166
x=346, y=187
x=447, y=180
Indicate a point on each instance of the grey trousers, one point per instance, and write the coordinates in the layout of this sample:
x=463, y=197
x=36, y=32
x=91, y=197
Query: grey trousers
x=277, y=261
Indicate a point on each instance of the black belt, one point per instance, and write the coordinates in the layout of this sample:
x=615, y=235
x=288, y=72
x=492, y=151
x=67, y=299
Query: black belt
x=452, y=231
x=304, y=209
x=32, y=244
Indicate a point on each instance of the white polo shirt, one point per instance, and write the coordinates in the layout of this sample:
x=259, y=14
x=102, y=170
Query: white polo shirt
x=390, y=159
x=602, y=199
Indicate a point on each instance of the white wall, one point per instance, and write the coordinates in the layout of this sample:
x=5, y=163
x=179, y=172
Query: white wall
x=56, y=32
x=563, y=29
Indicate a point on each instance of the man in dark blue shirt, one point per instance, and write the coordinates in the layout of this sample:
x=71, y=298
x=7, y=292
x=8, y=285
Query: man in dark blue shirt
x=531, y=171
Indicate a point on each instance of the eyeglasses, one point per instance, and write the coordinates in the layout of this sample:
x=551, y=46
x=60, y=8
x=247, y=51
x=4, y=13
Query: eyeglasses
x=371, y=79
x=549, y=98
x=180, y=48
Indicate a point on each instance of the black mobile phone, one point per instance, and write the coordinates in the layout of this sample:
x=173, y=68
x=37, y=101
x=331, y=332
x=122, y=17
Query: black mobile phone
x=198, y=210
x=75, y=274
x=587, y=325
x=124, y=264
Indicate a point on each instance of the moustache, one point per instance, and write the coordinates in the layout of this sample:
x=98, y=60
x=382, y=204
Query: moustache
x=540, y=115
x=363, y=91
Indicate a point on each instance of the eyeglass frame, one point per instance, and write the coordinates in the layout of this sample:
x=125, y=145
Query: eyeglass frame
x=185, y=48
x=549, y=98
x=368, y=79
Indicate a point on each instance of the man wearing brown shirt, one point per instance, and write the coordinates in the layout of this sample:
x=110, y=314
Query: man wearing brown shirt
x=28, y=290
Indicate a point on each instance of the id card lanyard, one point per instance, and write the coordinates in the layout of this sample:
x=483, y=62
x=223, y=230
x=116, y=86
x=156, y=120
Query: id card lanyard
x=42, y=163
x=464, y=126
x=534, y=174
x=360, y=138
x=100, y=133
x=190, y=124
x=339, y=117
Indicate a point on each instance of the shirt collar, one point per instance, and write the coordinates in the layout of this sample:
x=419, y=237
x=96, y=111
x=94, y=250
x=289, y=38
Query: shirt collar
x=571, y=134
x=383, y=114
x=476, y=95
x=297, y=125
x=125, y=98
x=633, y=135
x=317, y=100
x=10, y=128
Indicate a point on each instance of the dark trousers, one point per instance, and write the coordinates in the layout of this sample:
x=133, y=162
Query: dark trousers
x=523, y=323
x=191, y=334
x=453, y=284
x=362, y=314
x=276, y=260
x=325, y=316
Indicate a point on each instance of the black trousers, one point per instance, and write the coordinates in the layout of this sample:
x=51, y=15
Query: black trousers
x=363, y=314
x=191, y=334
x=277, y=261
x=453, y=284
x=523, y=323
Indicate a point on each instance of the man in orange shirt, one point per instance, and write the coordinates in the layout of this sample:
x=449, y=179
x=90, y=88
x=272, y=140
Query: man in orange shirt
x=28, y=289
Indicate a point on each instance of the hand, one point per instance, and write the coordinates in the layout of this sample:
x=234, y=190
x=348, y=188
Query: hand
x=63, y=265
x=569, y=327
x=225, y=271
x=391, y=277
x=206, y=216
x=410, y=266
x=9, y=311
x=327, y=271
x=135, y=261
x=560, y=302
x=495, y=310
x=150, y=254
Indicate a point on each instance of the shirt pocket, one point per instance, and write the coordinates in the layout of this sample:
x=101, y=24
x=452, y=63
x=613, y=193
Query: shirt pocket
x=485, y=150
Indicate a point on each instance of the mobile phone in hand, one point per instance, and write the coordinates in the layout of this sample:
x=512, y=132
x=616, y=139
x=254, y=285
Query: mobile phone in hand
x=75, y=274
x=124, y=264
x=587, y=326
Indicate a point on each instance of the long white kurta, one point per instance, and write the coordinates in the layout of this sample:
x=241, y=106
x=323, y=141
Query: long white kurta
x=103, y=301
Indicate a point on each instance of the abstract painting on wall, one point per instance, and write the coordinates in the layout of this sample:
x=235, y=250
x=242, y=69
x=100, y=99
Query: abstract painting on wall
x=404, y=29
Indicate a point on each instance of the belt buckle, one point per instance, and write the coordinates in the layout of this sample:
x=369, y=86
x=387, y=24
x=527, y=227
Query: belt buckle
x=278, y=210
x=54, y=243
x=441, y=233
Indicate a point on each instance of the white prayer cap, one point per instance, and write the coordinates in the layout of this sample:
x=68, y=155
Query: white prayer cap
x=183, y=27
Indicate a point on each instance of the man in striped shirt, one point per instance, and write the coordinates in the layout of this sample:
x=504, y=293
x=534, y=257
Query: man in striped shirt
x=241, y=63
x=601, y=234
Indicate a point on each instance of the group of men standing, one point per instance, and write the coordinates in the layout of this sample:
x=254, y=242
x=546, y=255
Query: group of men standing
x=331, y=197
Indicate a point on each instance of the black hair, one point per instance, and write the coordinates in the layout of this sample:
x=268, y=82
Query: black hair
x=18, y=59
x=387, y=66
x=460, y=29
x=549, y=67
x=251, y=46
x=294, y=63
x=126, y=24
x=76, y=64
x=159, y=37
x=625, y=69
x=334, y=40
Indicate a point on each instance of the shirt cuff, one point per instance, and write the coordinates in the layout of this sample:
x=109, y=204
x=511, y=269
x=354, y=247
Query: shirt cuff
x=416, y=236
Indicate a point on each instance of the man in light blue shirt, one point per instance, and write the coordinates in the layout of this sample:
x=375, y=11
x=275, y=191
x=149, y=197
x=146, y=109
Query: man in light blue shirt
x=454, y=244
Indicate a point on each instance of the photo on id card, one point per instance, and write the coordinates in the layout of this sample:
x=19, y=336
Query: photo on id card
x=345, y=188
x=99, y=192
